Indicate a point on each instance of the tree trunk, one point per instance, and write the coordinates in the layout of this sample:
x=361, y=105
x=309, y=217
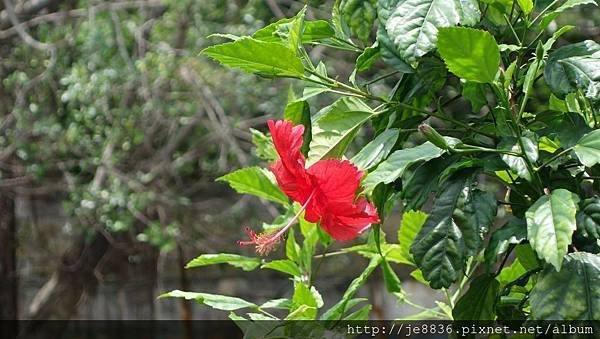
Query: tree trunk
x=58, y=298
x=8, y=265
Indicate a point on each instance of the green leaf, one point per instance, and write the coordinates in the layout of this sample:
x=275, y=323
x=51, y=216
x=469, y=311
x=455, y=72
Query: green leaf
x=469, y=53
x=550, y=225
x=264, y=146
x=479, y=301
x=285, y=266
x=518, y=164
x=361, y=314
x=389, y=53
x=314, y=31
x=475, y=93
x=571, y=294
x=292, y=249
x=575, y=67
x=413, y=25
x=216, y=301
x=474, y=215
x=526, y=6
x=245, y=263
x=283, y=304
x=391, y=280
x=298, y=112
x=412, y=222
x=255, y=56
x=360, y=16
x=305, y=302
x=256, y=181
x=550, y=16
x=439, y=248
x=376, y=150
x=395, y=165
x=424, y=179
x=588, y=219
x=337, y=311
x=368, y=57
x=512, y=233
x=587, y=149
x=335, y=126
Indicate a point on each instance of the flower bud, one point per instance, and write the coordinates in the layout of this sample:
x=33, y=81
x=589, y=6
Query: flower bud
x=433, y=136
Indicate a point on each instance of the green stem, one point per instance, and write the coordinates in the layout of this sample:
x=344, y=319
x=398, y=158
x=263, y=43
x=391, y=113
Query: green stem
x=543, y=12
x=556, y=156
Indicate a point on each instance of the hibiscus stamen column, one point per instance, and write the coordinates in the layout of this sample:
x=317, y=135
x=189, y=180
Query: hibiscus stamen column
x=266, y=242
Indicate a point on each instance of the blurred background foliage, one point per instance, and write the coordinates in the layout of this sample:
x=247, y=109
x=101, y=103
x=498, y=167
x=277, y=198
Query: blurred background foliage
x=112, y=131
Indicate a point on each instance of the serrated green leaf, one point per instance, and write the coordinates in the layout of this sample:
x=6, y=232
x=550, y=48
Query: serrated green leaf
x=439, y=248
x=216, y=301
x=587, y=148
x=469, y=53
x=512, y=233
x=285, y=266
x=376, y=150
x=412, y=25
x=412, y=222
x=335, y=126
x=395, y=165
x=255, y=56
x=575, y=67
x=245, y=263
x=479, y=301
x=588, y=218
x=571, y=294
x=255, y=181
x=550, y=225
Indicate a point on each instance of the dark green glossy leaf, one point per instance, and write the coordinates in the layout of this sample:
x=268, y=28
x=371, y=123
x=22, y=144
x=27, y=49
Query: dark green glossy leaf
x=571, y=294
x=575, y=67
x=512, y=233
x=479, y=301
x=439, y=249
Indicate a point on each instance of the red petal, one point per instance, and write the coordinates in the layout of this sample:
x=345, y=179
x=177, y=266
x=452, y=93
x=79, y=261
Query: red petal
x=287, y=140
x=295, y=184
x=337, y=180
x=289, y=170
x=345, y=222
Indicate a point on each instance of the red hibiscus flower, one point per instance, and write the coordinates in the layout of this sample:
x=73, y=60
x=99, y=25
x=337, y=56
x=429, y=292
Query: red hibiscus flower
x=326, y=190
